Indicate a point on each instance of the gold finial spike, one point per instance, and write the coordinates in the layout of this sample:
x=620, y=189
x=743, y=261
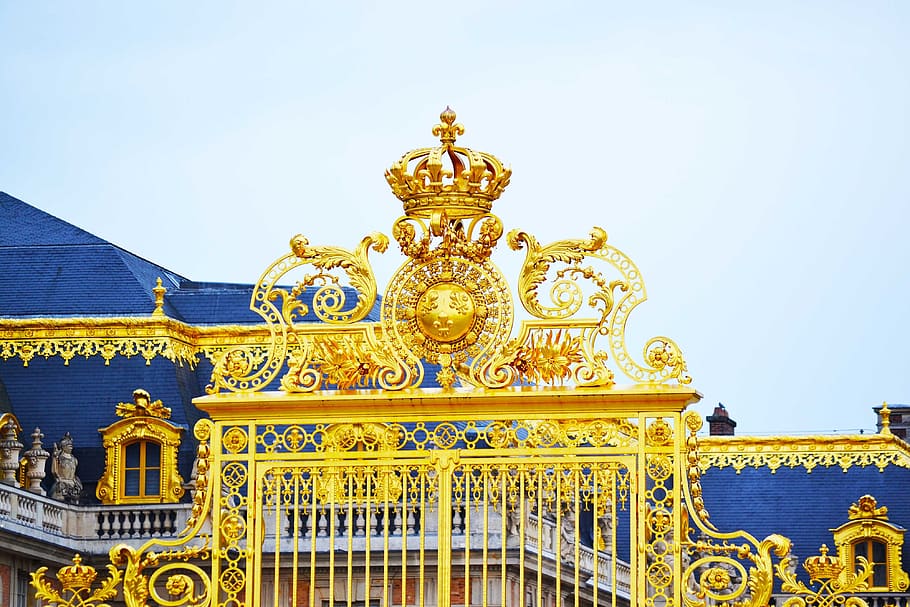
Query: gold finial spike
x=886, y=420
x=159, y=292
x=448, y=130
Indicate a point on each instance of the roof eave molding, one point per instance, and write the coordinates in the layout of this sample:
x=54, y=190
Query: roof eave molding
x=108, y=337
x=808, y=452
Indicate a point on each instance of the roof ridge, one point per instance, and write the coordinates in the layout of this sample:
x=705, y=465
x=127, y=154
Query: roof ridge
x=26, y=225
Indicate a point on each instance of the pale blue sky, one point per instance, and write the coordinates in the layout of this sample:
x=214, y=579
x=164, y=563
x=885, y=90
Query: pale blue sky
x=752, y=158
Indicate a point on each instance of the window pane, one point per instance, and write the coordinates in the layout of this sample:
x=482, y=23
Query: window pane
x=878, y=552
x=131, y=486
x=879, y=557
x=132, y=455
x=152, y=482
x=152, y=455
x=21, y=589
x=861, y=549
x=880, y=576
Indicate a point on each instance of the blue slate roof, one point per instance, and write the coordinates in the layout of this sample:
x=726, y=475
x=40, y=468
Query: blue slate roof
x=23, y=225
x=800, y=505
x=49, y=267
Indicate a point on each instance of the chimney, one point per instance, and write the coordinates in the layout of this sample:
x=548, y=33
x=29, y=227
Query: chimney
x=893, y=419
x=721, y=424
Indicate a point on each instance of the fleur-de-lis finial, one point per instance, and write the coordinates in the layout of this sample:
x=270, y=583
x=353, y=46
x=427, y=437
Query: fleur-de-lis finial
x=448, y=130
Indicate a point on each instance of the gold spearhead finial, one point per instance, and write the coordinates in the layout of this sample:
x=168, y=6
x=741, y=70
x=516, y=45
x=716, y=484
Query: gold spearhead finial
x=448, y=130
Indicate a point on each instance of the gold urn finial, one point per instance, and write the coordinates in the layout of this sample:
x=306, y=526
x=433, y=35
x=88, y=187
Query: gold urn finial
x=448, y=179
x=159, y=292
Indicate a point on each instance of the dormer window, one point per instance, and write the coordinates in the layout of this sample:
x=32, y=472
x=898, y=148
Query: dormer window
x=141, y=455
x=869, y=535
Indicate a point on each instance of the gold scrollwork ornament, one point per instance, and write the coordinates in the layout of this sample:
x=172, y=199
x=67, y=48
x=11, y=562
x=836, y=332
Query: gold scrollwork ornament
x=76, y=582
x=835, y=587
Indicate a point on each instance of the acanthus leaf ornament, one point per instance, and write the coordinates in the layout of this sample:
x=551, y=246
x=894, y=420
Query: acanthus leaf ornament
x=329, y=301
x=238, y=370
x=566, y=294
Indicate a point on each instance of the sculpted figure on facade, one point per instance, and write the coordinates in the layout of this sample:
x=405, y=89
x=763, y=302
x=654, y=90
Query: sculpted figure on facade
x=569, y=537
x=604, y=540
x=67, y=486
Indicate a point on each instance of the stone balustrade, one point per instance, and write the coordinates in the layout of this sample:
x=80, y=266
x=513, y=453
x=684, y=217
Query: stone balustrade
x=88, y=529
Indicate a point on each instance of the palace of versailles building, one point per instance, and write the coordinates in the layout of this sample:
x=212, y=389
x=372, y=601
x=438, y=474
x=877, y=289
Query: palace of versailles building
x=314, y=439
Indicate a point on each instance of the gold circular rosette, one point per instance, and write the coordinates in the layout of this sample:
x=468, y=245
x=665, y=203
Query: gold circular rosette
x=447, y=311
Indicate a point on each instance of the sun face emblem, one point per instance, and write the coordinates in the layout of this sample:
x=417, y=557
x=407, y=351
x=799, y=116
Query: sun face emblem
x=445, y=312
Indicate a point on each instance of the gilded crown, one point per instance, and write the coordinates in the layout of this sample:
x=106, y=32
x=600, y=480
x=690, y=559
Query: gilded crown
x=823, y=567
x=456, y=180
x=76, y=576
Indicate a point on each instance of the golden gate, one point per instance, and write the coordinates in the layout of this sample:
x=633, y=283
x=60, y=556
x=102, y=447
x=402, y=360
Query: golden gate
x=525, y=477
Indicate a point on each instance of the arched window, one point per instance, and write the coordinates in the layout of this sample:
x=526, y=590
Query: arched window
x=876, y=552
x=142, y=469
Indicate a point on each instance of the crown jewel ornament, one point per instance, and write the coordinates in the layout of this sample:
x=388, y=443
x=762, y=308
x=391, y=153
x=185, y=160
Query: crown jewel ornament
x=450, y=178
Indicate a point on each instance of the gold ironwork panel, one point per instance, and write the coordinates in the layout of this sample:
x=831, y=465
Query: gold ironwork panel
x=440, y=527
x=660, y=526
x=518, y=524
x=617, y=434
x=348, y=530
x=233, y=521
